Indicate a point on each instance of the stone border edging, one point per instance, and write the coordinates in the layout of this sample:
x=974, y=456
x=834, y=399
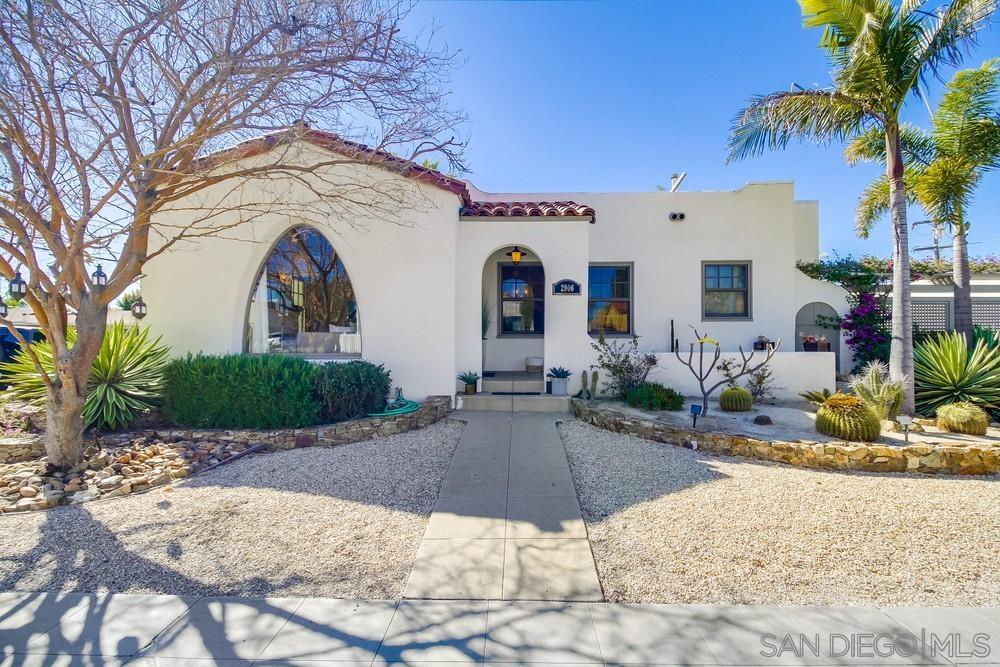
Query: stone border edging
x=921, y=458
x=432, y=409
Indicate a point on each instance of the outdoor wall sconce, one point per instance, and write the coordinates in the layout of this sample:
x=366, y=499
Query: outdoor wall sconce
x=18, y=288
x=3, y=308
x=516, y=254
x=139, y=309
x=99, y=277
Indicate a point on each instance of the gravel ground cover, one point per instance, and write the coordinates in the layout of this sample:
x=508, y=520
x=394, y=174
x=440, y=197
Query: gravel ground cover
x=339, y=522
x=672, y=525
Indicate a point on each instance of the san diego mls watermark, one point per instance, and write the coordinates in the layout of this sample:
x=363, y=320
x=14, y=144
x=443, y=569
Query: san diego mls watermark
x=876, y=645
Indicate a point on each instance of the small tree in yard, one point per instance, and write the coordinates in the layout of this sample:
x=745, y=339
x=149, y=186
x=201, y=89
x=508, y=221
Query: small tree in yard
x=625, y=366
x=730, y=374
x=109, y=109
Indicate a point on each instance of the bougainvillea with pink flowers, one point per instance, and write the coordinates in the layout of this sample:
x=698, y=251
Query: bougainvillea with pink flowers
x=866, y=331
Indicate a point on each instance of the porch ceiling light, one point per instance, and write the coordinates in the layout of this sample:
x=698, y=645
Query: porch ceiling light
x=18, y=288
x=139, y=309
x=99, y=277
x=516, y=254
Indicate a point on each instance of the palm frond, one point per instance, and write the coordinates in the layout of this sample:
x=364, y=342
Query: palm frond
x=942, y=40
x=843, y=21
x=869, y=146
x=873, y=203
x=771, y=121
x=967, y=121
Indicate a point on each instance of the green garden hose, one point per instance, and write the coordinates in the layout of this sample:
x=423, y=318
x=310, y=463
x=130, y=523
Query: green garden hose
x=397, y=406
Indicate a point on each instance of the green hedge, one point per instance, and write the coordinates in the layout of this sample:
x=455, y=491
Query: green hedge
x=351, y=390
x=242, y=391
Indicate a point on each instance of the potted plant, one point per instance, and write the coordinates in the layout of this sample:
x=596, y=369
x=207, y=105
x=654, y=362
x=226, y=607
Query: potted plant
x=763, y=343
x=560, y=380
x=812, y=343
x=470, y=378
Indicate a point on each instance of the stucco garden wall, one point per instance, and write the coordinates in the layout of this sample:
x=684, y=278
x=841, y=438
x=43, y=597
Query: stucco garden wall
x=400, y=255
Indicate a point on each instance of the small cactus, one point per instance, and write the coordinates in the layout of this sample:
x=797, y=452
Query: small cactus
x=593, y=384
x=735, y=399
x=963, y=417
x=848, y=418
x=583, y=384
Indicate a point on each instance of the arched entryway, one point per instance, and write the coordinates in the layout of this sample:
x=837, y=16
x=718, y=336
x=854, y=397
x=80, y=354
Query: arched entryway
x=513, y=313
x=303, y=301
x=806, y=324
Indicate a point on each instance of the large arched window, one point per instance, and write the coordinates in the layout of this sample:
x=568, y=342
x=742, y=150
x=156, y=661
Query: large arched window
x=304, y=302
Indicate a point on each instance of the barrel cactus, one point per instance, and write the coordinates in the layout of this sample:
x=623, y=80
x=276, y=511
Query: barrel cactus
x=848, y=418
x=963, y=417
x=735, y=399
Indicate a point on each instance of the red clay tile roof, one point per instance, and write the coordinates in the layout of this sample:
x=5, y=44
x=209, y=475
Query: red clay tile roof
x=347, y=148
x=537, y=209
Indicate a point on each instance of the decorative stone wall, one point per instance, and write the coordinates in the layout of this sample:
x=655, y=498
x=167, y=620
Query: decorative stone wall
x=922, y=458
x=14, y=450
x=433, y=409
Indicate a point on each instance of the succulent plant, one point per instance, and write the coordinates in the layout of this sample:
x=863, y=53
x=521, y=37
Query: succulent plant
x=963, y=417
x=735, y=399
x=593, y=385
x=848, y=418
x=874, y=387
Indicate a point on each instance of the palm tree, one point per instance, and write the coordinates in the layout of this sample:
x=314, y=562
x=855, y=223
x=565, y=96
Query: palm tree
x=942, y=168
x=881, y=51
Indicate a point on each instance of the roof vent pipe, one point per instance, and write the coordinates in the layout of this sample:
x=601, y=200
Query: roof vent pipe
x=676, y=180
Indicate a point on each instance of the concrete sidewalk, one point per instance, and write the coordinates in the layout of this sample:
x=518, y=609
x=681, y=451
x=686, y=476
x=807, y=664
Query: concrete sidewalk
x=507, y=523
x=87, y=629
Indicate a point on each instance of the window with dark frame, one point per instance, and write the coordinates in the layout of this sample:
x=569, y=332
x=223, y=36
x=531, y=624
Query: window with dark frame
x=522, y=299
x=726, y=290
x=609, y=299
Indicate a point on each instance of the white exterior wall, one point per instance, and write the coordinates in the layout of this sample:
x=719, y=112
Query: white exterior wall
x=420, y=277
x=760, y=223
x=402, y=270
x=794, y=372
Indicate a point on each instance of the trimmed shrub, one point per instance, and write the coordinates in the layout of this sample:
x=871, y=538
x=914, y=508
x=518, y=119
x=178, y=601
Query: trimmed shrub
x=351, y=390
x=242, y=391
x=735, y=399
x=963, y=417
x=848, y=418
x=654, y=396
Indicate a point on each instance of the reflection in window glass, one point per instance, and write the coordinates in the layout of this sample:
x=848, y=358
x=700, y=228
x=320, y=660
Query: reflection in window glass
x=304, y=302
x=609, y=304
x=726, y=291
x=522, y=299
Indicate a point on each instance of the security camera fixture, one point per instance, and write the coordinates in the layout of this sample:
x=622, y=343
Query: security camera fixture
x=676, y=217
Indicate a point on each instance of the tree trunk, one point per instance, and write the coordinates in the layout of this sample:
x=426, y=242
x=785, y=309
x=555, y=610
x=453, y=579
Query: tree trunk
x=64, y=407
x=961, y=275
x=901, y=349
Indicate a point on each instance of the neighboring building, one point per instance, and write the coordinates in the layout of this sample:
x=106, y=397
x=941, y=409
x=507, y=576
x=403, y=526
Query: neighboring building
x=400, y=274
x=934, y=306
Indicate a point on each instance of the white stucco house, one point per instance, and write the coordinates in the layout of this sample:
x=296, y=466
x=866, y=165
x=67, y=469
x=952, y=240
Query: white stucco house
x=372, y=257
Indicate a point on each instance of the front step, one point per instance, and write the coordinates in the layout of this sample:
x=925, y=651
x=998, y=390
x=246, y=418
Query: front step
x=493, y=385
x=508, y=403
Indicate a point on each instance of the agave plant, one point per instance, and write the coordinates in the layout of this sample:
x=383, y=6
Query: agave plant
x=873, y=387
x=946, y=372
x=125, y=380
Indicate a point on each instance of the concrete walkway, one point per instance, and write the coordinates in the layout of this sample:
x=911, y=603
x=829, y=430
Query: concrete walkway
x=158, y=630
x=507, y=523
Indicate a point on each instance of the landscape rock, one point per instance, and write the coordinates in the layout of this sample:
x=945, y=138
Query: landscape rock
x=763, y=420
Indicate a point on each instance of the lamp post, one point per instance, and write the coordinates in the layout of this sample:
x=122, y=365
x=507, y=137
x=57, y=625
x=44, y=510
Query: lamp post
x=139, y=309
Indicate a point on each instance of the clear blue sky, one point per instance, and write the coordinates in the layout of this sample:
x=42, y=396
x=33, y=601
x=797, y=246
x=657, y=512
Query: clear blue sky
x=615, y=96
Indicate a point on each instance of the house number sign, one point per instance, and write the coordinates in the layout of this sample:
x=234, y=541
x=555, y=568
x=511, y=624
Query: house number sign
x=566, y=286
